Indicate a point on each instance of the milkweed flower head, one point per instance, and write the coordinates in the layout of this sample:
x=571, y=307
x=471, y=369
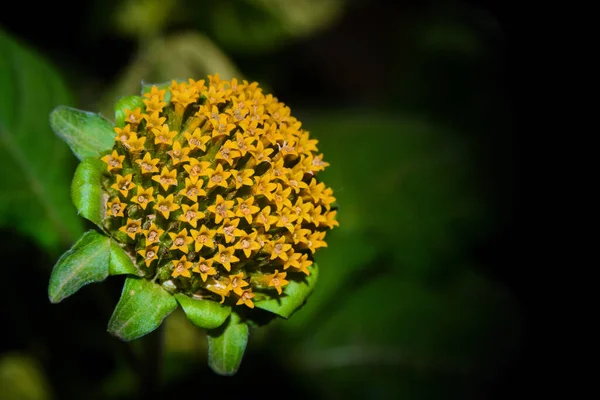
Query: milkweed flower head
x=213, y=186
x=206, y=195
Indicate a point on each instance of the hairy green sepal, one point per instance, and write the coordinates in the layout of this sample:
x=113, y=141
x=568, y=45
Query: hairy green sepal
x=204, y=314
x=86, y=190
x=293, y=297
x=226, y=345
x=86, y=133
x=120, y=262
x=85, y=262
x=141, y=309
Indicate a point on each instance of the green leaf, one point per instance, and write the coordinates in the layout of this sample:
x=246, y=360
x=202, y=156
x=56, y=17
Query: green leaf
x=293, y=296
x=141, y=309
x=36, y=165
x=205, y=314
x=86, y=190
x=86, y=133
x=86, y=262
x=127, y=103
x=120, y=262
x=226, y=345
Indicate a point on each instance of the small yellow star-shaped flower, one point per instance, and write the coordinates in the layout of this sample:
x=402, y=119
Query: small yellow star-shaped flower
x=179, y=154
x=134, y=117
x=113, y=160
x=193, y=188
x=164, y=135
x=166, y=178
x=135, y=144
x=222, y=209
x=225, y=256
x=115, y=207
x=246, y=299
x=246, y=208
x=248, y=244
x=143, y=196
x=279, y=249
x=237, y=283
x=204, y=268
x=149, y=254
x=180, y=241
x=196, y=168
x=222, y=127
x=165, y=205
x=153, y=233
x=154, y=104
x=265, y=219
x=148, y=164
x=242, y=178
x=276, y=280
x=191, y=215
x=196, y=140
x=154, y=121
x=123, y=184
x=203, y=237
x=229, y=229
x=181, y=267
x=217, y=177
x=132, y=227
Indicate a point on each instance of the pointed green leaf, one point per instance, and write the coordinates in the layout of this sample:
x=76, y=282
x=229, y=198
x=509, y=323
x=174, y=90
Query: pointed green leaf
x=205, y=314
x=141, y=309
x=120, y=262
x=226, y=345
x=36, y=165
x=86, y=133
x=86, y=190
x=85, y=262
x=293, y=296
x=127, y=103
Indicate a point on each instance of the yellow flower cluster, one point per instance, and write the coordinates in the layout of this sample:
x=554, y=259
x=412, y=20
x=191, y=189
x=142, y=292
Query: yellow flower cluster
x=213, y=187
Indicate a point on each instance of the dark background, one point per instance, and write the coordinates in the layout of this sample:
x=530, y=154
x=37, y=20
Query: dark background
x=450, y=62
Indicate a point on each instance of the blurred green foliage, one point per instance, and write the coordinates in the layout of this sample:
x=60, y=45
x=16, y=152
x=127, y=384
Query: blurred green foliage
x=22, y=378
x=401, y=308
x=37, y=166
x=237, y=25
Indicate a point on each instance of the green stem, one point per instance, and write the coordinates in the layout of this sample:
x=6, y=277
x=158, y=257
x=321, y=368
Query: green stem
x=151, y=361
